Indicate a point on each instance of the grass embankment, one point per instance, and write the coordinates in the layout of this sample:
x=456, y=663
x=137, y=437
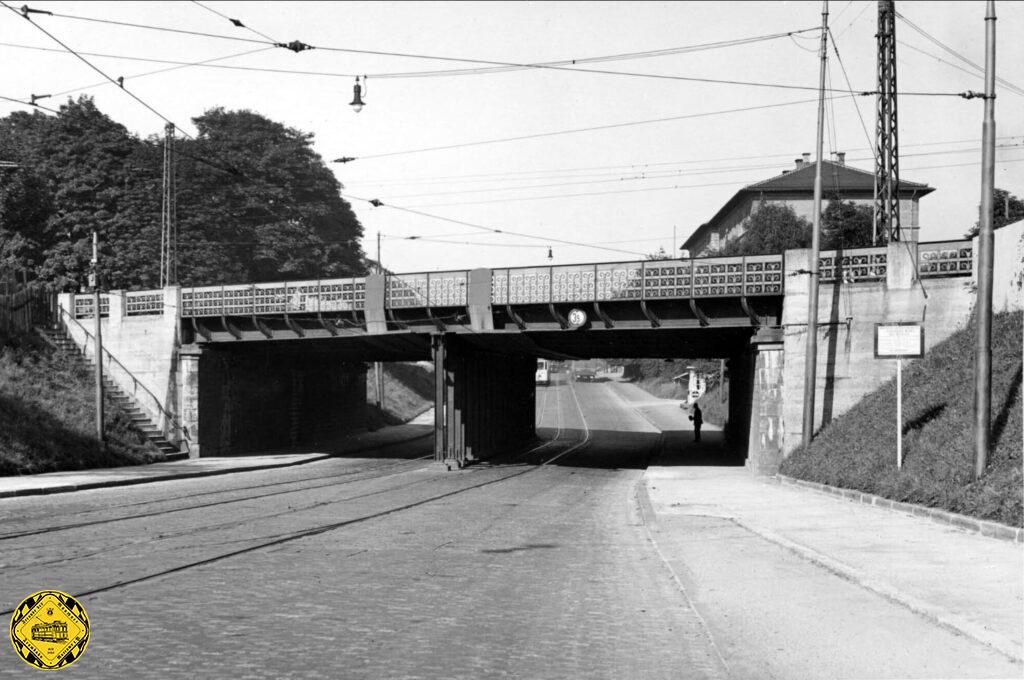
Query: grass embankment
x=408, y=392
x=47, y=415
x=857, y=450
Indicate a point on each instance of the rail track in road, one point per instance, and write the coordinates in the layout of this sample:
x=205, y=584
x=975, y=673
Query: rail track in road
x=306, y=484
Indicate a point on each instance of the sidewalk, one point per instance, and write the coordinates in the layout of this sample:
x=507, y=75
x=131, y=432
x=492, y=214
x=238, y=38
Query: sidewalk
x=79, y=480
x=965, y=581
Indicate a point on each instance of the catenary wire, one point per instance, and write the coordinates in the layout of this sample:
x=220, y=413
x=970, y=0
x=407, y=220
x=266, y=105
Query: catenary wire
x=546, y=239
x=259, y=69
x=236, y=22
x=953, y=52
x=659, y=175
x=95, y=68
x=31, y=104
x=541, y=135
x=630, y=167
x=649, y=189
x=182, y=65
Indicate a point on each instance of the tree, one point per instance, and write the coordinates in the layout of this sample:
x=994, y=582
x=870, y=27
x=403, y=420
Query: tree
x=267, y=208
x=1006, y=209
x=772, y=228
x=255, y=203
x=845, y=224
x=659, y=255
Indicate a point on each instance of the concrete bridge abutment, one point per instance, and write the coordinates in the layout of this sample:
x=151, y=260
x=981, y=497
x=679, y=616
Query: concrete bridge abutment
x=258, y=398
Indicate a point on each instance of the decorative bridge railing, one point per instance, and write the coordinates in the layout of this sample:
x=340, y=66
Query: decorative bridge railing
x=754, y=275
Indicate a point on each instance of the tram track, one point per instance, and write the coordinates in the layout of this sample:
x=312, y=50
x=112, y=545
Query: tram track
x=351, y=478
x=272, y=541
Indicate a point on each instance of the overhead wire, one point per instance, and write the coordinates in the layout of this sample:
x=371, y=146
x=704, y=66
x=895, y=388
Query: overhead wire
x=28, y=103
x=1008, y=86
x=928, y=36
x=547, y=239
x=88, y=63
x=686, y=49
x=151, y=27
x=235, y=22
x=542, y=135
x=833, y=146
x=856, y=104
x=181, y=65
x=629, y=167
x=648, y=189
x=571, y=66
x=477, y=71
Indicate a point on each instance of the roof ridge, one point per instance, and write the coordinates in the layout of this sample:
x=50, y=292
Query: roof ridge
x=766, y=183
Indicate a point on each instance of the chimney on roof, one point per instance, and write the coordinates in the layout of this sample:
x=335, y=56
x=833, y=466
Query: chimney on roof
x=841, y=157
x=807, y=159
x=799, y=163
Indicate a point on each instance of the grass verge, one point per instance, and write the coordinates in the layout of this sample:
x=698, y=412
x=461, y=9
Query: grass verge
x=857, y=450
x=47, y=415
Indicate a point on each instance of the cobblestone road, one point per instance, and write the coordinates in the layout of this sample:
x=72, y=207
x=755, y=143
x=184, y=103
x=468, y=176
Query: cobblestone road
x=373, y=568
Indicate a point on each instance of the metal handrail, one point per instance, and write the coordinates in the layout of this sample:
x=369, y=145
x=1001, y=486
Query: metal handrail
x=176, y=426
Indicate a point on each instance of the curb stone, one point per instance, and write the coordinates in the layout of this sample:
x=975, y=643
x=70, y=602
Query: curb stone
x=174, y=476
x=974, y=525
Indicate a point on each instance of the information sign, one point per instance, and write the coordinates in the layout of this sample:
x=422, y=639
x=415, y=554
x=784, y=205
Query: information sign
x=899, y=340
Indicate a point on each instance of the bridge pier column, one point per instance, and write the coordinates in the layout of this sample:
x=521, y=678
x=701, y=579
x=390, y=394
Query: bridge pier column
x=484, y=403
x=439, y=349
x=766, y=445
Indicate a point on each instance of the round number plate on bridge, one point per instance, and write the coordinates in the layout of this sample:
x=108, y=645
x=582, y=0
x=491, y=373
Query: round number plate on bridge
x=577, y=317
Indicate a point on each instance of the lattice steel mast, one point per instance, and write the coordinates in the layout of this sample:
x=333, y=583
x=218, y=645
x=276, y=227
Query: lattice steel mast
x=168, y=216
x=887, y=157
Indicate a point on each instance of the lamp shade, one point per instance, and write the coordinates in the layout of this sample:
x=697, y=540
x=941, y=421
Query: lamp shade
x=357, y=97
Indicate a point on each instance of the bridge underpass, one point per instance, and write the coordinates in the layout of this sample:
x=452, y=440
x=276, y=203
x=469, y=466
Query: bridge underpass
x=484, y=328
x=263, y=394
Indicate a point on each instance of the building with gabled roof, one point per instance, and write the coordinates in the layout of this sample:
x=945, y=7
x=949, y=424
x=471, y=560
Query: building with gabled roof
x=795, y=188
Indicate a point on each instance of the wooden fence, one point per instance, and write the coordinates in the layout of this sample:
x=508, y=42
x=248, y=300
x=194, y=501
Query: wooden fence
x=26, y=306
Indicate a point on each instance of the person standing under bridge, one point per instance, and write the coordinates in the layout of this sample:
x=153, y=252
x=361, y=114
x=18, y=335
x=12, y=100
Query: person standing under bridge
x=698, y=419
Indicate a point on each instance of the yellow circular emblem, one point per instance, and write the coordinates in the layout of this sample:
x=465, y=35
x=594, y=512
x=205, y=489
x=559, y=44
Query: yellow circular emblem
x=50, y=629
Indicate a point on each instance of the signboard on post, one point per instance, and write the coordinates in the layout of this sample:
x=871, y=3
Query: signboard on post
x=899, y=341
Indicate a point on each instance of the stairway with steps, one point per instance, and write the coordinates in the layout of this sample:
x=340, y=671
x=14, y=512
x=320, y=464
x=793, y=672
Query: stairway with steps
x=58, y=338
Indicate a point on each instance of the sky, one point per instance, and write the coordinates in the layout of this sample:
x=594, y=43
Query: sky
x=567, y=158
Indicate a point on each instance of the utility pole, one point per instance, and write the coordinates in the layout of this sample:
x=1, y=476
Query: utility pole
x=811, y=358
x=378, y=368
x=983, y=306
x=887, y=158
x=94, y=282
x=169, y=217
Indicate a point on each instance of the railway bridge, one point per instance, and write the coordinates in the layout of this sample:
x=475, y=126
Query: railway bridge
x=230, y=368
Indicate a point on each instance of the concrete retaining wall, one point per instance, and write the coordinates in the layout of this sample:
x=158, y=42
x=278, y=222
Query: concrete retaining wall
x=847, y=369
x=145, y=350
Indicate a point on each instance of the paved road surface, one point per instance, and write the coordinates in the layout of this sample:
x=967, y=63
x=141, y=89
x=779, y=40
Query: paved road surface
x=382, y=568
x=390, y=568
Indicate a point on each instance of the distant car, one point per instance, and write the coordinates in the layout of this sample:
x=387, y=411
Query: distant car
x=585, y=374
